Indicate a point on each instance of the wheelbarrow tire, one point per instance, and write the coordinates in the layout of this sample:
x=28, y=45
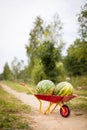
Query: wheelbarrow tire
x=64, y=111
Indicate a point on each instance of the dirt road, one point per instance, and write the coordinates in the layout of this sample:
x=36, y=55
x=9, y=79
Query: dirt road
x=52, y=121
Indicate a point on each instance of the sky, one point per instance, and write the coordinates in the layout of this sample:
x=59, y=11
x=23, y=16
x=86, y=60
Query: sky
x=17, y=18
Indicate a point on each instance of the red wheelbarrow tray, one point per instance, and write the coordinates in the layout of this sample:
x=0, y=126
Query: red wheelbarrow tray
x=55, y=99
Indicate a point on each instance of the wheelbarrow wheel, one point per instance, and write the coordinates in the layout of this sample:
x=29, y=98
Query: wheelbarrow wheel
x=64, y=111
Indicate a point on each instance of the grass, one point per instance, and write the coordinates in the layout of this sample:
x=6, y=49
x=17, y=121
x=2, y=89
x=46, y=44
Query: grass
x=16, y=86
x=79, y=81
x=82, y=92
x=12, y=113
x=78, y=104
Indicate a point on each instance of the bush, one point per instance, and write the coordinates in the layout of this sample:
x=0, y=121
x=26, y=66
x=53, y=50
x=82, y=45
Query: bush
x=38, y=73
x=79, y=81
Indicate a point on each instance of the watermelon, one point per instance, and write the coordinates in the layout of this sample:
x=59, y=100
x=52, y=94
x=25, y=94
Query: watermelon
x=45, y=87
x=63, y=89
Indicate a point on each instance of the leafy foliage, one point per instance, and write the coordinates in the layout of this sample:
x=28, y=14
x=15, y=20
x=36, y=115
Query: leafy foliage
x=17, y=67
x=44, y=46
x=37, y=72
x=79, y=81
x=82, y=19
x=49, y=55
x=76, y=59
x=7, y=74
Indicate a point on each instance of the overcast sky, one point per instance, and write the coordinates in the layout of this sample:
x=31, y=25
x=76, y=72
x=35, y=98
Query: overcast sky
x=16, y=21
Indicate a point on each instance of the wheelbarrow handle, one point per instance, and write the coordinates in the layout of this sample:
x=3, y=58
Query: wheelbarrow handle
x=23, y=84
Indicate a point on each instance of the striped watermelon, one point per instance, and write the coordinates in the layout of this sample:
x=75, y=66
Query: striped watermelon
x=63, y=89
x=45, y=87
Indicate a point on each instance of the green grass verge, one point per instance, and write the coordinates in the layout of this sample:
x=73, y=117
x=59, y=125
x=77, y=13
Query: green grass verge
x=78, y=104
x=16, y=86
x=12, y=113
x=79, y=81
x=82, y=92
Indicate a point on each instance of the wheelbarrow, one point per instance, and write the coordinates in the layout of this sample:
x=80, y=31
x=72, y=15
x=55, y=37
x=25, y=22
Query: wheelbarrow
x=52, y=99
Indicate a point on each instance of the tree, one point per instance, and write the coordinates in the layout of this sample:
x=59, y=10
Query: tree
x=17, y=66
x=76, y=59
x=81, y=43
x=35, y=40
x=49, y=55
x=7, y=74
x=44, y=46
x=1, y=76
x=82, y=19
x=53, y=31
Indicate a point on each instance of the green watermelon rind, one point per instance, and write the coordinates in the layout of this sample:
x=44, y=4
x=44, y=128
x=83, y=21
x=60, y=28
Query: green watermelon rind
x=63, y=88
x=45, y=87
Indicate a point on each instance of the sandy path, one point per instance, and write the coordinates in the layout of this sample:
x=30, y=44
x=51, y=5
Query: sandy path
x=52, y=121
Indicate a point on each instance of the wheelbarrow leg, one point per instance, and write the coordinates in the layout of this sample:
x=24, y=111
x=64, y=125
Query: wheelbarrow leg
x=48, y=108
x=40, y=108
x=54, y=108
